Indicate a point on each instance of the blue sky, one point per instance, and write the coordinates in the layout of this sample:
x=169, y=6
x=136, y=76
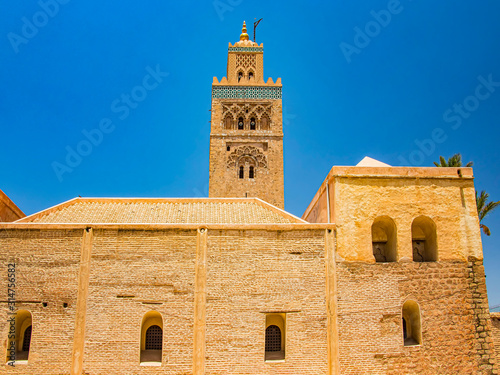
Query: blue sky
x=404, y=92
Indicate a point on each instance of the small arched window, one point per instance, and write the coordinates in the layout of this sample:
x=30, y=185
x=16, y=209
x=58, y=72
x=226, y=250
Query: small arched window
x=252, y=123
x=240, y=123
x=152, y=337
x=412, y=328
x=242, y=172
x=384, y=239
x=273, y=339
x=240, y=76
x=250, y=75
x=424, y=240
x=19, y=339
x=251, y=172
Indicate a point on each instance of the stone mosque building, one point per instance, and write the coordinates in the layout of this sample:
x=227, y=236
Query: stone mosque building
x=382, y=274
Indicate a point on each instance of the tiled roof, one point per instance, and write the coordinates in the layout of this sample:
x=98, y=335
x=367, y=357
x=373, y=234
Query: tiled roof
x=160, y=211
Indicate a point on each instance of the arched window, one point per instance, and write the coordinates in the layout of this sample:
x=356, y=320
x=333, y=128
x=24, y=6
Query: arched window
x=250, y=75
x=252, y=123
x=251, y=172
x=412, y=329
x=19, y=339
x=275, y=337
x=240, y=75
x=152, y=338
x=240, y=123
x=384, y=239
x=424, y=240
x=242, y=172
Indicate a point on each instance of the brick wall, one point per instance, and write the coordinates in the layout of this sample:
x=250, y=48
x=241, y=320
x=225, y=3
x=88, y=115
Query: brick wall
x=153, y=270
x=242, y=275
x=371, y=297
x=47, y=264
x=254, y=272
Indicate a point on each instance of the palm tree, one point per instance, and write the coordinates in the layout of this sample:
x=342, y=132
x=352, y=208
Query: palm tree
x=484, y=209
x=454, y=161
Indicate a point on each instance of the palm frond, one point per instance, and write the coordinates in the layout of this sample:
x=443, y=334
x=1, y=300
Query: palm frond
x=480, y=202
x=488, y=208
x=485, y=229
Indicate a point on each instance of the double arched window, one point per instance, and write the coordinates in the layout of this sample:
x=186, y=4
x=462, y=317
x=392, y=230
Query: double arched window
x=424, y=239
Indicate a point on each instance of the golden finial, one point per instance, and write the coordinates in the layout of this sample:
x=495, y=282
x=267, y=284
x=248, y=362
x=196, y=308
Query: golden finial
x=244, y=35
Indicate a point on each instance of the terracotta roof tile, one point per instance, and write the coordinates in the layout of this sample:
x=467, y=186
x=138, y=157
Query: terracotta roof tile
x=158, y=211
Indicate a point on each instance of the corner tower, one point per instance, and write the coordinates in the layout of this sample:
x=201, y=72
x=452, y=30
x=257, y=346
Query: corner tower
x=246, y=139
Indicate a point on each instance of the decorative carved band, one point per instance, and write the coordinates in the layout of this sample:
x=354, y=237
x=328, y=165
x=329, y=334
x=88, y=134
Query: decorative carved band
x=247, y=152
x=246, y=49
x=245, y=92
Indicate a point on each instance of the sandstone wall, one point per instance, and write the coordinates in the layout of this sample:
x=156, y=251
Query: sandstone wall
x=495, y=329
x=450, y=204
x=268, y=183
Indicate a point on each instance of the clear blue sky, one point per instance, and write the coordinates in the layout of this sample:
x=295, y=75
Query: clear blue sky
x=414, y=76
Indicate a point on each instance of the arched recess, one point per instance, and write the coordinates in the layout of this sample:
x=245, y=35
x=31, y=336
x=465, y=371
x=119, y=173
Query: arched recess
x=19, y=337
x=384, y=239
x=275, y=337
x=265, y=122
x=251, y=75
x=412, y=328
x=424, y=240
x=228, y=122
x=152, y=337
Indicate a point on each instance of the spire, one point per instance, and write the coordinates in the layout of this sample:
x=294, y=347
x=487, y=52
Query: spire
x=244, y=35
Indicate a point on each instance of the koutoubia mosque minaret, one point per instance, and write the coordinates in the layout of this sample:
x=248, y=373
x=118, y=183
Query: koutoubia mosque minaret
x=246, y=139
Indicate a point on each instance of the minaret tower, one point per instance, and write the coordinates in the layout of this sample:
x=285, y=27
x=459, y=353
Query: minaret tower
x=246, y=139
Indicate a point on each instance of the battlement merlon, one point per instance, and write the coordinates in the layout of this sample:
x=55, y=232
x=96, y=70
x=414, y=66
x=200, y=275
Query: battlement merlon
x=225, y=82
